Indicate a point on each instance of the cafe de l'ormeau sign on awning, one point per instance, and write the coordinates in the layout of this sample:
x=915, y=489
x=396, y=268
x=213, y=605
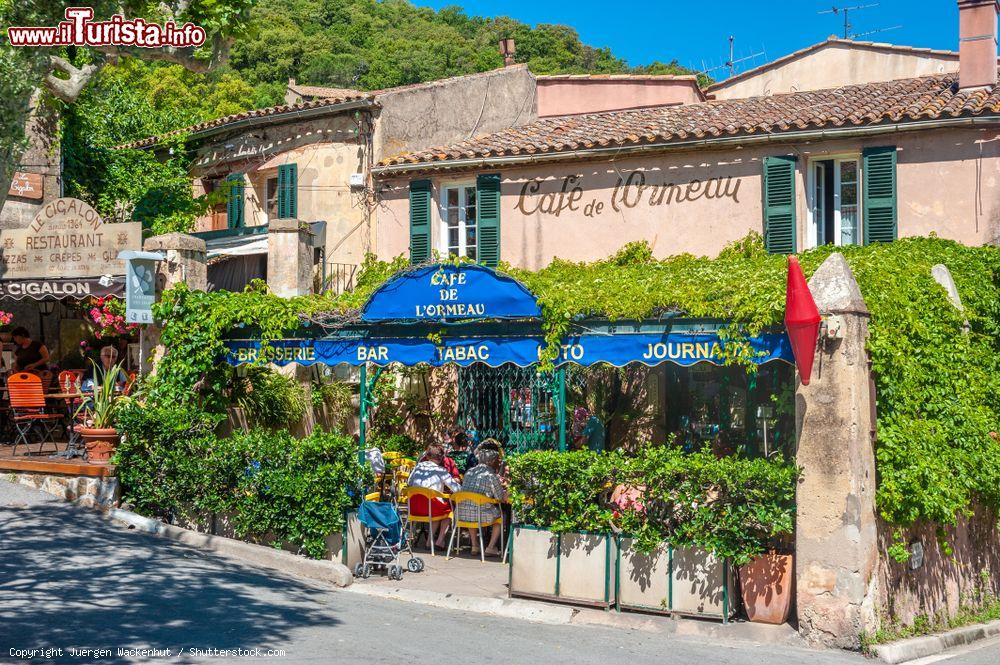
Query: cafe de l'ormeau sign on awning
x=67, y=239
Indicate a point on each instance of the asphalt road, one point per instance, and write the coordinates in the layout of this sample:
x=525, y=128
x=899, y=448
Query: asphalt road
x=71, y=580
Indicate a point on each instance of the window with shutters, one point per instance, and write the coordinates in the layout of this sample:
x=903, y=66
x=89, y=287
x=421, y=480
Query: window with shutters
x=852, y=198
x=458, y=228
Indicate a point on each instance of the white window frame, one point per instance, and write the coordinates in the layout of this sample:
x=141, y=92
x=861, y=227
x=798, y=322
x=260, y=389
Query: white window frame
x=442, y=234
x=813, y=229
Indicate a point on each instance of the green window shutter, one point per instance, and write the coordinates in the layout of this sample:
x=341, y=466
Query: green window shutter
x=420, y=221
x=234, y=200
x=879, y=194
x=488, y=219
x=288, y=191
x=779, y=205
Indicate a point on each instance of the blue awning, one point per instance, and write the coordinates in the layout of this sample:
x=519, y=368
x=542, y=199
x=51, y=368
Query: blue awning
x=446, y=293
x=619, y=349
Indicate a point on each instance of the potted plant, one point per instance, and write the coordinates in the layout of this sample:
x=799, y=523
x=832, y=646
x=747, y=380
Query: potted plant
x=766, y=586
x=688, y=519
x=100, y=410
x=562, y=548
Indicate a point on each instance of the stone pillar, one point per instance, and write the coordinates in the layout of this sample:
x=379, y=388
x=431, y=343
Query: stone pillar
x=289, y=274
x=185, y=262
x=836, y=536
x=289, y=258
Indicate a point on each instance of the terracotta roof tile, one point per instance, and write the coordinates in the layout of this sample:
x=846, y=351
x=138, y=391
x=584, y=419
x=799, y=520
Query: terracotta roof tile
x=913, y=99
x=323, y=91
x=253, y=113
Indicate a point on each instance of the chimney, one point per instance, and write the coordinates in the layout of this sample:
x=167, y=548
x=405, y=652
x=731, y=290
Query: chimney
x=507, y=50
x=977, y=43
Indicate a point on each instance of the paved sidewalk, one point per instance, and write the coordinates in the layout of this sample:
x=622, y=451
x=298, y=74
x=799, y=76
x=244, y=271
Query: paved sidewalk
x=465, y=583
x=70, y=578
x=462, y=575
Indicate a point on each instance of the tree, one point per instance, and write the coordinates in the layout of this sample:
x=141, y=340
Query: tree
x=64, y=72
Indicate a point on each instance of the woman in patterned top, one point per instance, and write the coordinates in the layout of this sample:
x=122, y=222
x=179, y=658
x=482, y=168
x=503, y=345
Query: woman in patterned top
x=483, y=479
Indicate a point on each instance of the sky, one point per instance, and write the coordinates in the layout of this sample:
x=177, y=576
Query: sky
x=693, y=32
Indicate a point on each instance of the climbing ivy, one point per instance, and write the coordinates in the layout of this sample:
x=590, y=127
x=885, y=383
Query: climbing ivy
x=937, y=368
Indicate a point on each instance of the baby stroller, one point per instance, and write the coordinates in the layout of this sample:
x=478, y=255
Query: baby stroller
x=385, y=541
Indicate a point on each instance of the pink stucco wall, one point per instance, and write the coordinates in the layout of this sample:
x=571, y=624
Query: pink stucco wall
x=568, y=95
x=948, y=183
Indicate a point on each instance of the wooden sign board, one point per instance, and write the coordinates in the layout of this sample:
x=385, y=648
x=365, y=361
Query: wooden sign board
x=26, y=186
x=67, y=238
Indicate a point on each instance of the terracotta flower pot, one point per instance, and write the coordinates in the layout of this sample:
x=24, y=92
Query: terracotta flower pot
x=100, y=444
x=766, y=586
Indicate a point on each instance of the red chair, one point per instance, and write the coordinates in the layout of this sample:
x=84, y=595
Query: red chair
x=69, y=380
x=27, y=405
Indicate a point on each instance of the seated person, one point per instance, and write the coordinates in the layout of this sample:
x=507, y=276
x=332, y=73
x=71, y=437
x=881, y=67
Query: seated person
x=109, y=355
x=588, y=430
x=449, y=465
x=29, y=355
x=483, y=479
x=430, y=473
x=461, y=449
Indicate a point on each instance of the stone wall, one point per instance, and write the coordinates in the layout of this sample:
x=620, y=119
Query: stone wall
x=836, y=534
x=87, y=491
x=943, y=581
x=41, y=157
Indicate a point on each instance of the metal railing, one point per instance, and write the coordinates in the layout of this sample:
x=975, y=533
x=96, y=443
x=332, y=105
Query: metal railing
x=340, y=277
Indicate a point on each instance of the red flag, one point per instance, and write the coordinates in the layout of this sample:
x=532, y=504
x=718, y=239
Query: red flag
x=802, y=319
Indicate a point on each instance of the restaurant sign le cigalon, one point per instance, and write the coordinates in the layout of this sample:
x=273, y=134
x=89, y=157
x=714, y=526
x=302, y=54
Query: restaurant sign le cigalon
x=67, y=238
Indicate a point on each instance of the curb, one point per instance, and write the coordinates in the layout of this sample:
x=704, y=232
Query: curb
x=929, y=645
x=503, y=607
x=330, y=572
x=561, y=615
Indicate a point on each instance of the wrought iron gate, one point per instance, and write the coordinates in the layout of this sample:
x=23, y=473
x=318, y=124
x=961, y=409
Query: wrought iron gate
x=518, y=406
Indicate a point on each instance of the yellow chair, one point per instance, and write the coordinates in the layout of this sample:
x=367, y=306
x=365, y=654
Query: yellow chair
x=408, y=493
x=391, y=456
x=404, y=464
x=373, y=496
x=479, y=500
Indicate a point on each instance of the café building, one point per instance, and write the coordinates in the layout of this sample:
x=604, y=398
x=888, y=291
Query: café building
x=850, y=163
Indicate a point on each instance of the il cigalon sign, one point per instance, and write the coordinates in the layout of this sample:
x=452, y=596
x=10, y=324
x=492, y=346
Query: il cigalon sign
x=67, y=238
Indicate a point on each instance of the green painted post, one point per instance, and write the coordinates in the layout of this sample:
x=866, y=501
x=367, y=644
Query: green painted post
x=561, y=382
x=363, y=414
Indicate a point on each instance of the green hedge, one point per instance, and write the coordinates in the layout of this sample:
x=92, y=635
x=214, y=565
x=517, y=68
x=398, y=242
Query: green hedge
x=270, y=484
x=937, y=378
x=733, y=507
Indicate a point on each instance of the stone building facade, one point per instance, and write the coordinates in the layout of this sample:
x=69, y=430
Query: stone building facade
x=37, y=177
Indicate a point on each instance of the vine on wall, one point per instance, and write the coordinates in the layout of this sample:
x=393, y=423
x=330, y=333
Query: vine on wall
x=937, y=369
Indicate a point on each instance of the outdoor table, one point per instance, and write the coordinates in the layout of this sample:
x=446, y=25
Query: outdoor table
x=73, y=447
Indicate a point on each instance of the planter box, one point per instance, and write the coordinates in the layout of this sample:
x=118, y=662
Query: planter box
x=573, y=567
x=674, y=581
